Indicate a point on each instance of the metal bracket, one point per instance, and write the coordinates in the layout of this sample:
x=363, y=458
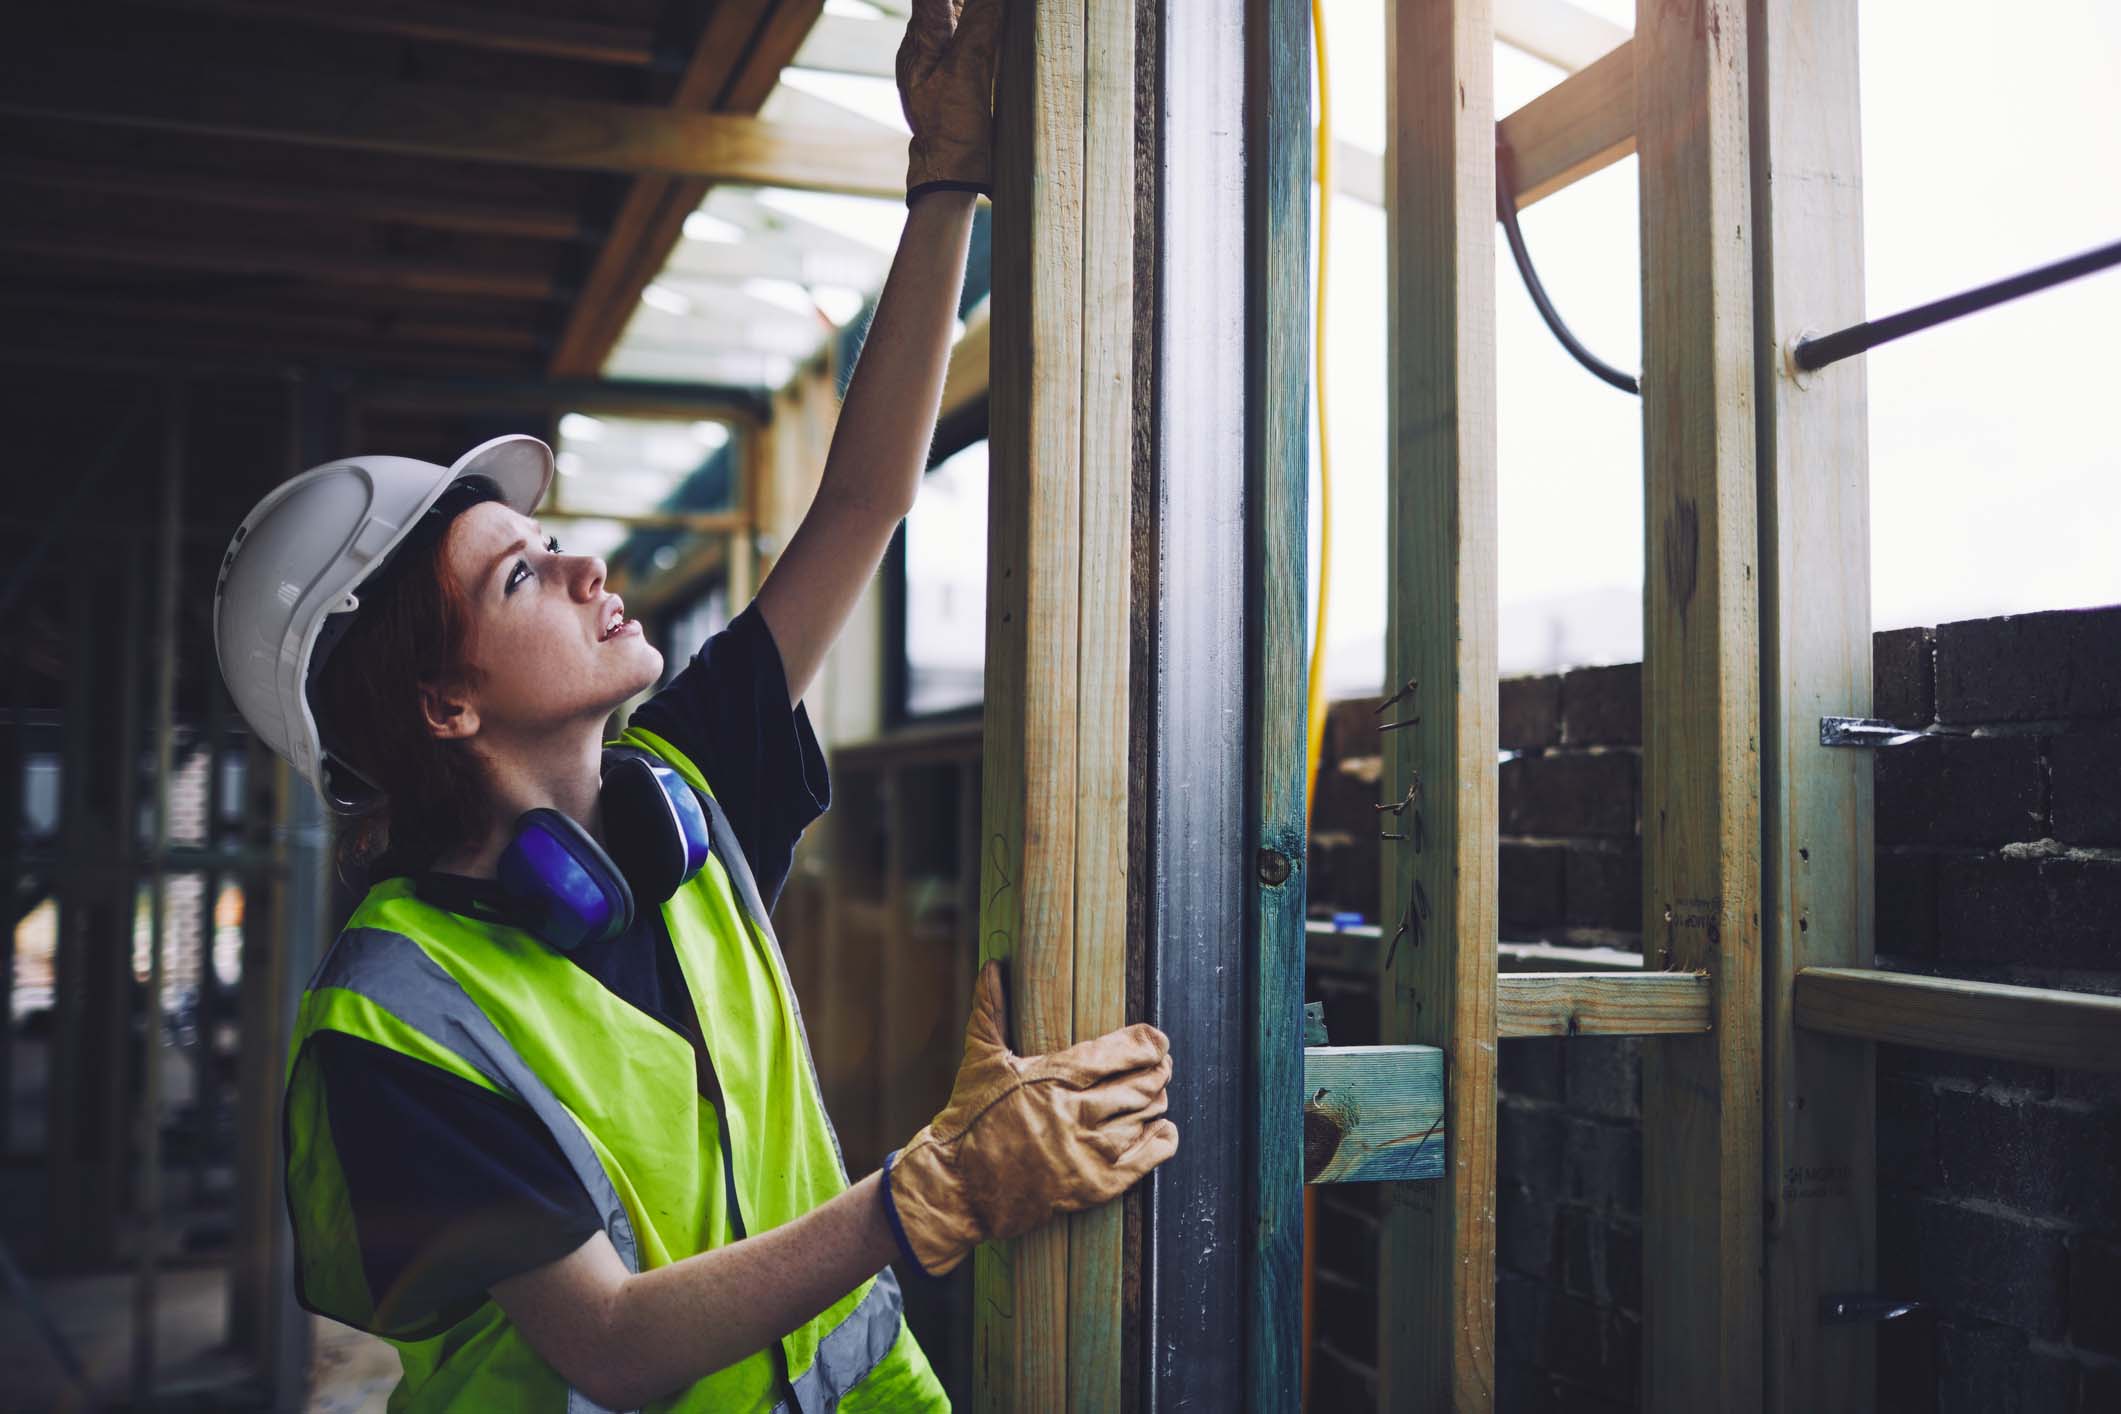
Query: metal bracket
x=1314, y=1023
x=1864, y=731
x=1852, y=1308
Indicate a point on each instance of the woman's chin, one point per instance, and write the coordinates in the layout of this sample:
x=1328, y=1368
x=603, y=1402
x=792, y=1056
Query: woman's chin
x=650, y=659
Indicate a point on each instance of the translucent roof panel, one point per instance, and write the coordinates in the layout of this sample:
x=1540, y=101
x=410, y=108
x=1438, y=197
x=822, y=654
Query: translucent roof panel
x=764, y=277
x=621, y=466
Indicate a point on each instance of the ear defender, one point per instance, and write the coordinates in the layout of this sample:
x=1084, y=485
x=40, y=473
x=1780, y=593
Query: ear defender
x=653, y=825
x=564, y=888
x=557, y=882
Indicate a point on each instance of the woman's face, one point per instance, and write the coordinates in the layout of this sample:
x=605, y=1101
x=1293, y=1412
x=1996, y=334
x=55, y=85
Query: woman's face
x=542, y=640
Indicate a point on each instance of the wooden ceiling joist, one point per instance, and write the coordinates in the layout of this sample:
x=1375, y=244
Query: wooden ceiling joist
x=108, y=311
x=586, y=41
x=542, y=223
x=735, y=63
x=443, y=121
x=286, y=262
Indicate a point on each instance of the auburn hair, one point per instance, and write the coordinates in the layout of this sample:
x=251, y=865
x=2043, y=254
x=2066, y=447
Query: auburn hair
x=414, y=637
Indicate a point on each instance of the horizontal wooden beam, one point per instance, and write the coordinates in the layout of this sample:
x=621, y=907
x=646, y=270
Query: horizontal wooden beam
x=1580, y=125
x=440, y=120
x=2037, y=1025
x=264, y=263
x=548, y=223
x=690, y=402
x=690, y=522
x=1373, y=1113
x=512, y=31
x=382, y=325
x=1601, y=1004
x=736, y=60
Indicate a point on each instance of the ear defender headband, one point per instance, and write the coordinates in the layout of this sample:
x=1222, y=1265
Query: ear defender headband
x=559, y=884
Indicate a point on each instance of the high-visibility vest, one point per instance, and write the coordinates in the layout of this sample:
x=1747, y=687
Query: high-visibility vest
x=670, y=1172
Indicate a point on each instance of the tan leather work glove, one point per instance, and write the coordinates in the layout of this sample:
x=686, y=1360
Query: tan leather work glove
x=946, y=85
x=1026, y=1137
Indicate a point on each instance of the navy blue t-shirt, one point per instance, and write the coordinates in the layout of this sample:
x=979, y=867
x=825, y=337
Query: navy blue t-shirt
x=454, y=1188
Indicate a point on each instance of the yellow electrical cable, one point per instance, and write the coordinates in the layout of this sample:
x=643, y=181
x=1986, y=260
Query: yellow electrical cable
x=1315, y=689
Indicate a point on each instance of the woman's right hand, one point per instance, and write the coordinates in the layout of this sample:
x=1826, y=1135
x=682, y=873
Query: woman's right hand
x=1026, y=1137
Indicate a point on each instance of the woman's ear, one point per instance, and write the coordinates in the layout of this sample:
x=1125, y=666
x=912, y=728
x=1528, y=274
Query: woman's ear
x=450, y=715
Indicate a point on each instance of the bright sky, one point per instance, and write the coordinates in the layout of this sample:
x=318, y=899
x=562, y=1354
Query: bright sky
x=1991, y=143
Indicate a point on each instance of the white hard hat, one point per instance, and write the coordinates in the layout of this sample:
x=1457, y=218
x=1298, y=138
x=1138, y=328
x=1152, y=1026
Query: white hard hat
x=300, y=555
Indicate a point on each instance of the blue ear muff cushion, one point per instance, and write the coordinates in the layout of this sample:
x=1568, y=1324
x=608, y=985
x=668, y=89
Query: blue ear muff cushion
x=557, y=871
x=654, y=825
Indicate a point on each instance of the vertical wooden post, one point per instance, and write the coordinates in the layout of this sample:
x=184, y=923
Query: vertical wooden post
x=1815, y=644
x=1436, y=1345
x=1701, y=692
x=1278, y=469
x=1096, y=1263
x=1053, y=782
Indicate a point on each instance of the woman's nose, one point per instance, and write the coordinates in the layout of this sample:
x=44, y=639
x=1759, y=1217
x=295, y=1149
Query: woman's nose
x=588, y=577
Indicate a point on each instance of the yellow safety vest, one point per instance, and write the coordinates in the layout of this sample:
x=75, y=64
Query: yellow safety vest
x=619, y=1092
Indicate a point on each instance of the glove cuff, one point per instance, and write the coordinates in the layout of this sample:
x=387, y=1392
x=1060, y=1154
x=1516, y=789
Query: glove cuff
x=898, y=1228
x=914, y=194
x=946, y=164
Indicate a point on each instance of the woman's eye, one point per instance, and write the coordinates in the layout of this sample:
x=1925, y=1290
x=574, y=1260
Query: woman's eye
x=552, y=544
x=516, y=576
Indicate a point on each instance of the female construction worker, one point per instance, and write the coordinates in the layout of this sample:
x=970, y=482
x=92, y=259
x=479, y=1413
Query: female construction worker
x=552, y=1127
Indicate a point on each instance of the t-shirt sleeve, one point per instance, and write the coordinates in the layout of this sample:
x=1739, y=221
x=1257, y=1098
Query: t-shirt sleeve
x=728, y=710
x=452, y=1186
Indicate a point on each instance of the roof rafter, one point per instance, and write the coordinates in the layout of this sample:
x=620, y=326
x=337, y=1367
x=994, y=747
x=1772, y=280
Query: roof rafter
x=737, y=60
x=438, y=120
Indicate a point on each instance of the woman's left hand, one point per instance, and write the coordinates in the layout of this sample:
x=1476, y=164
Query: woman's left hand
x=946, y=85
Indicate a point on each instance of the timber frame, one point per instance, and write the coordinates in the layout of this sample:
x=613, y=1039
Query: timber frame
x=1758, y=997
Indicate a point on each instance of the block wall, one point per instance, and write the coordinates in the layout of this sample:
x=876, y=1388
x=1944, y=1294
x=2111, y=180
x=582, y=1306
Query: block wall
x=1999, y=857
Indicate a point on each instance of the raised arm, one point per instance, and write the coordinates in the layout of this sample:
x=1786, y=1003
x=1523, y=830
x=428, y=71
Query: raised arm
x=887, y=420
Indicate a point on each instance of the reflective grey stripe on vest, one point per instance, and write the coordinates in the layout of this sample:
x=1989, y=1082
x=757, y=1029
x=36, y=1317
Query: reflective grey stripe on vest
x=396, y=974
x=853, y=1348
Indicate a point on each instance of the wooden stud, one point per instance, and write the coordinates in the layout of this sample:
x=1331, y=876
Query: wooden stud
x=1701, y=721
x=1581, y=125
x=1437, y=1282
x=1601, y=1003
x=441, y=120
x=1815, y=644
x=1277, y=552
x=1372, y=1114
x=2036, y=1025
x=1096, y=1270
x=1029, y=825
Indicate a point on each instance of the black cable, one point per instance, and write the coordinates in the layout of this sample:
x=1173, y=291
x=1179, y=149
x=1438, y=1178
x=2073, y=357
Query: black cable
x=1506, y=212
x=1810, y=354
